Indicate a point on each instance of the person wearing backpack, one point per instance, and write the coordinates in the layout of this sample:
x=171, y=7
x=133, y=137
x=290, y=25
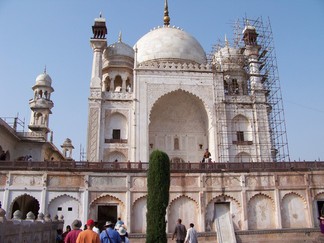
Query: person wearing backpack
x=109, y=234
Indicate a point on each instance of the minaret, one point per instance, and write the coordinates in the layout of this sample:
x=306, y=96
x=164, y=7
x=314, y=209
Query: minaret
x=41, y=105
x=252, y=53
x=262, y=132
x=98, y=44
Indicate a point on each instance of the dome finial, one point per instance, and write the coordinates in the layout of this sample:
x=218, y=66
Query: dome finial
x=166, y=14
x=45, y=69
x=120, y=36
x=226, y=41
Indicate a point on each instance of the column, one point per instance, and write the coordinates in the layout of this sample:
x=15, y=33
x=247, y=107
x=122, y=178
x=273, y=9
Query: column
x=244, y=218
x=85, y=201
x=42, y=203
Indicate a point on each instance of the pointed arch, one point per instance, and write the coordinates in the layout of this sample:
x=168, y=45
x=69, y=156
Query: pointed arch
x=116, y=127
x=319, y=195
x=241, y=130
x=235, y=209
x=25, y=203
x=224, y=197
x=115, y=156
x=294, y=211
x=140, y=198
x=62, y=195
x=243, y=157
x=178, y=123
x=179, y=208
x=171, y=92
x=65, y=205
x=139, y=210
x=107, y=199
x=107, y=84
x=298, y=195
x=261, y=212
x=118, y=83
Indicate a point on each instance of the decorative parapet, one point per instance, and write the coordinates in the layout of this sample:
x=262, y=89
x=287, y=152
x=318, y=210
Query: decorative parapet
x=174, y=66
x=118, y=96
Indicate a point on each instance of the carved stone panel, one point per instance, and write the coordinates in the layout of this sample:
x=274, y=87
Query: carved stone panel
x=65, y=181
x=107, y=181
x=184, y=181
x=316, y=180
x=93, y=133
x=139, y=182
x=225, y=181
x=260, y=181
x=26, y=180
x=291, y=180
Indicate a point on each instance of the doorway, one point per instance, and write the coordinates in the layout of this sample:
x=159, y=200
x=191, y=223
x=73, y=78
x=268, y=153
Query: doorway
x=320, y=208
x=106, y=213
x=221, y=209
x=223, y=223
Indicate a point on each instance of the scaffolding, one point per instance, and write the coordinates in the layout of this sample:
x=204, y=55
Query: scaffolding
x=270, y=79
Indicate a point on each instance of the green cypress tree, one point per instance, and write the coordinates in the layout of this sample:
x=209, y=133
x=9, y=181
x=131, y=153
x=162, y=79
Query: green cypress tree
x=158, y=186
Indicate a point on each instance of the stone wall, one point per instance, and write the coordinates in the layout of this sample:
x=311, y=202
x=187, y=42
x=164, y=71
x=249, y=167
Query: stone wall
x=279, y=201
x=16, y=230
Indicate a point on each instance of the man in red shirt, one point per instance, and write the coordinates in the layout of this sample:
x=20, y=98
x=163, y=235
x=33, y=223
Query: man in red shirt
x=73, y=234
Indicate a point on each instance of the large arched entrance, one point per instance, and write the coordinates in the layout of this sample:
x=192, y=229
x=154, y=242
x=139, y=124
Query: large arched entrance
x=179, y=126
x=25, y=204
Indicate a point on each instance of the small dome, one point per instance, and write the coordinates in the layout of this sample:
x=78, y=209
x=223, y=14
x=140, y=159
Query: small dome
x=169, y=43
x=44, y=79
x=120, y=49
x=248, y=27
x=67, y=143
x=229, y=56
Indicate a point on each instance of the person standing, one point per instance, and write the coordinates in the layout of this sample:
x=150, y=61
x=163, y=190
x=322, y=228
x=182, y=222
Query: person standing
x=191, y=236
x=68, y=229
x=72, y=236
x=206, y=156
x=180, y=232
x=88, y=235
x=95, y=228
x=123, y=234
x=109, y=234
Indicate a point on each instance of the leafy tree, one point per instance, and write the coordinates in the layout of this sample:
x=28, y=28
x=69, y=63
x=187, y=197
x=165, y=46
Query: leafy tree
x=158, y=186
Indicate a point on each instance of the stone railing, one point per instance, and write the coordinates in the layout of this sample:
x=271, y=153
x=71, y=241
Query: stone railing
x=40, y=230
x=185, y=167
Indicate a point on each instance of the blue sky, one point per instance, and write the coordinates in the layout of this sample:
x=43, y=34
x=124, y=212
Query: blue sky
x=56, y=33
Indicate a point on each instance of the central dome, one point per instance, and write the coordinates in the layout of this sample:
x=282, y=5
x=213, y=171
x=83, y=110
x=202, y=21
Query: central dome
x=169, y=43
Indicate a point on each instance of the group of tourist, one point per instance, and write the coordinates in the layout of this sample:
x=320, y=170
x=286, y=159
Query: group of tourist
x=116, y=233
x=112, y=233
x=183, y=235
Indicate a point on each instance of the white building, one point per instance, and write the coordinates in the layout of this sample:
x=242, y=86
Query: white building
x=165, y=93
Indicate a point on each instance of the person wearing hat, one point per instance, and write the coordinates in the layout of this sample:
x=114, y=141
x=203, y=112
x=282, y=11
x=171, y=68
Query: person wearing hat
x=109, y=234
x=73, y=234
x=123, y=234
x=88, y=235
